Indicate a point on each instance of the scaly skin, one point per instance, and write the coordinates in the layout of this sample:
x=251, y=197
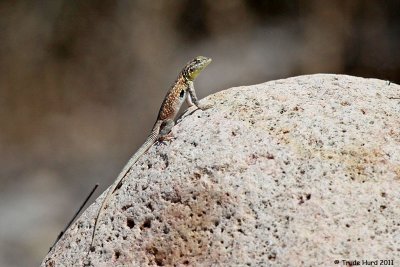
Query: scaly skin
x=182, y=89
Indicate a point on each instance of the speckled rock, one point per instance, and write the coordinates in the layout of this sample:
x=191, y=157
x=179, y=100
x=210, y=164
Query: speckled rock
x=295, y=172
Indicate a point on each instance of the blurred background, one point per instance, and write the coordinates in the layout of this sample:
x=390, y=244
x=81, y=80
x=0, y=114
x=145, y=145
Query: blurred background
x=81, y=83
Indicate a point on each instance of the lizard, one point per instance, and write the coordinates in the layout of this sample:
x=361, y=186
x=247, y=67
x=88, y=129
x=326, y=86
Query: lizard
x=183, y=88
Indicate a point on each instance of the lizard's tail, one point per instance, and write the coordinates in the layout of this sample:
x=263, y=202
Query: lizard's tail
x=151, y=139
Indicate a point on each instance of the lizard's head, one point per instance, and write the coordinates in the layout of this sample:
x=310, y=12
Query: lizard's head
x=195, y=66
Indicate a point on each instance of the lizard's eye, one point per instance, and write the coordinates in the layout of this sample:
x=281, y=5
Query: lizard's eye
x=182, y=93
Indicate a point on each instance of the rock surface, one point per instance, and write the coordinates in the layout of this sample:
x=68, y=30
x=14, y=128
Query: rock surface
x=295, y=172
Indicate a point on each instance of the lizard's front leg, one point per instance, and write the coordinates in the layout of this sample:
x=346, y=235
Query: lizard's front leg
x=192, y=99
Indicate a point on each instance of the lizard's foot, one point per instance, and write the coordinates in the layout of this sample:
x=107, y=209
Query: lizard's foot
x=205, y=106
x=166, y=138
x=198, y=106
